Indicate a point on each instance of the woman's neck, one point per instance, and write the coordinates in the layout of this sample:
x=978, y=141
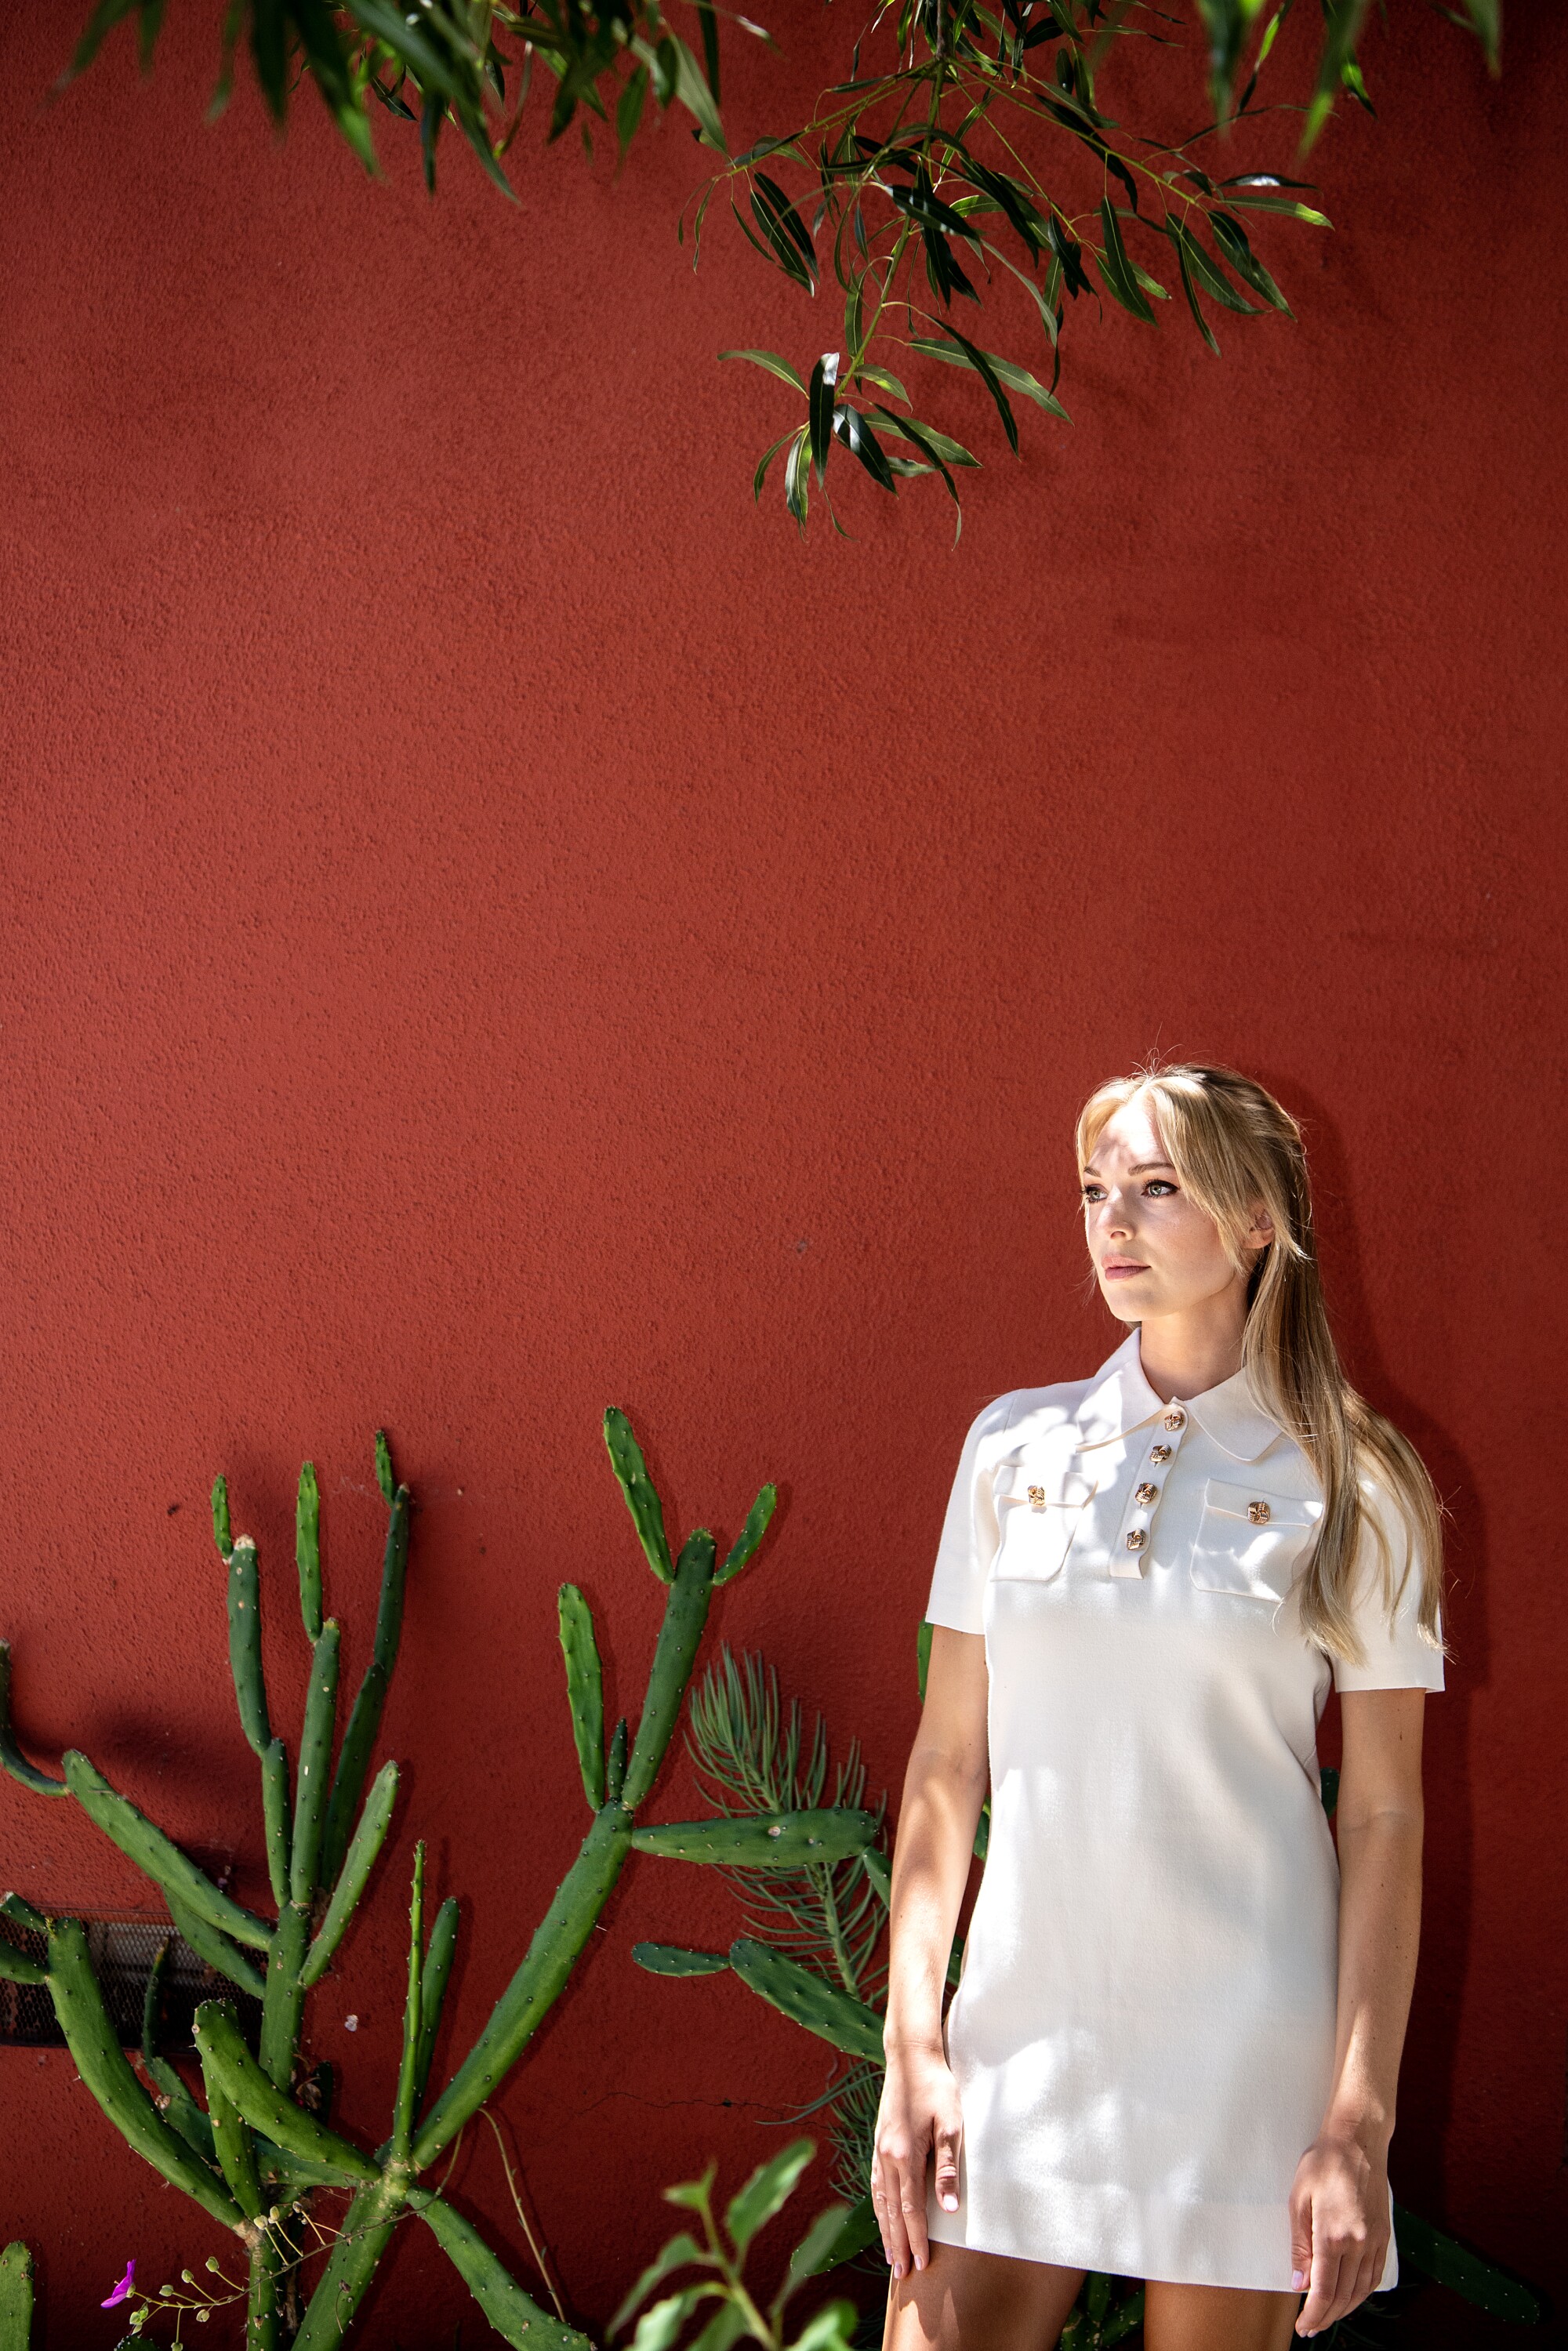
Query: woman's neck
x=1185, y=1354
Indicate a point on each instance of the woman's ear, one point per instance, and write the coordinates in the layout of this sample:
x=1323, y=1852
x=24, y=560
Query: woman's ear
x=1260, y=1231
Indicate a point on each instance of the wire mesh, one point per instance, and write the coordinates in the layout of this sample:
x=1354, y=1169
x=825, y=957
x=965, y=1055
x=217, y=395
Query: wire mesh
x=122, y=1951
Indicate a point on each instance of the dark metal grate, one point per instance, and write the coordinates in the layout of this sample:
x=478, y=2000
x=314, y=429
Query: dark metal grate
x=122, y=1951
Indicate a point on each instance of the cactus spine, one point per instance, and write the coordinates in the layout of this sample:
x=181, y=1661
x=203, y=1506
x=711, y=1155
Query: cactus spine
x=255, y=2147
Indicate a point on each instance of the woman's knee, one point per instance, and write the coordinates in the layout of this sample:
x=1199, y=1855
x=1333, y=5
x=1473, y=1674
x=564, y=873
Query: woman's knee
x=969, y=2301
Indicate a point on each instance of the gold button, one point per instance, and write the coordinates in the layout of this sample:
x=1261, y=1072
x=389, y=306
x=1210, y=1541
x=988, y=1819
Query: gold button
x=1037, y=1496
x=1260, y=1513
x=1146, y=1496
x=1136, y=1538
x=1160, y=1453
x=1176, y=1420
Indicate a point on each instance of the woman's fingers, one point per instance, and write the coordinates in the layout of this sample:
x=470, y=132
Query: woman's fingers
x=1321, y=2291
x=947, y=2152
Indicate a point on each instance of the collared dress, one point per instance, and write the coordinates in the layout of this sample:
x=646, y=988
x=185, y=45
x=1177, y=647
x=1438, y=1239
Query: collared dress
x=1143, y=2032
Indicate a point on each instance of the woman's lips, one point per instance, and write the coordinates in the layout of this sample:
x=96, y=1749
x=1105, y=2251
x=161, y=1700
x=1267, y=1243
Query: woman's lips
x=1119, y=1270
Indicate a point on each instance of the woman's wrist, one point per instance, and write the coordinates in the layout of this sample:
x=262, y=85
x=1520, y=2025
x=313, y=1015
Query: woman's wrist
x=901, y=2041
x=1367, y=2122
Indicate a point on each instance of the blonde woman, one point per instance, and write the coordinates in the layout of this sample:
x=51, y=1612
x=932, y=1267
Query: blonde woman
x=1173, y=2047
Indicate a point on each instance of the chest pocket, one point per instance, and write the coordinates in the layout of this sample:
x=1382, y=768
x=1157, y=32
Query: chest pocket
x=1250, y=1542
x=1040, y=1508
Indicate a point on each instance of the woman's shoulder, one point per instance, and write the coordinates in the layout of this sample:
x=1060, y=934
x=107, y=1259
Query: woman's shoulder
x=1024, y=1414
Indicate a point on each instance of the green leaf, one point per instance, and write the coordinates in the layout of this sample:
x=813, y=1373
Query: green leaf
x=1116, y=270
x=659, y=2328
x=820, y=399
x=678, y=2254
x=768, y=2188
x=833, y=2329
x=629, y=107
x=1280, y=205
x=99, y=25
x=696, y=96
x=981, y=362
x=882, y=379
x=708, y=18
x=674, y=1960
x=850, y=427
x=1016, y=378
x=797, y=478
x=781, y=367
x=1204, y=328
x=763, y=463
x=1207, y=271
x=1231, y=239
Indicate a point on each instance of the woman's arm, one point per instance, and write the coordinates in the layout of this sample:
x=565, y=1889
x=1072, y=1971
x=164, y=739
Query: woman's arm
x=944, y=1789
x=1339, y=2205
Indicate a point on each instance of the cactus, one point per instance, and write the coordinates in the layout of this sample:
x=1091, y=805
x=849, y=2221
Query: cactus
x=15, y=2298
x=251, y=2156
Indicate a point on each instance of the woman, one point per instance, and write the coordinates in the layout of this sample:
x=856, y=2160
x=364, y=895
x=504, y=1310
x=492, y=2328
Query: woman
x=1174, y=2043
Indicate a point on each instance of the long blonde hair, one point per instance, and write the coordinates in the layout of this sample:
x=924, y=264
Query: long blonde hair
x=1232, y=1145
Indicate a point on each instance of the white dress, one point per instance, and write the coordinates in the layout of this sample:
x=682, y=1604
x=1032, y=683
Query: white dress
x=1142, y=2033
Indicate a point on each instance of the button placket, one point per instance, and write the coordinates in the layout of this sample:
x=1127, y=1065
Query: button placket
x=1144, y=1502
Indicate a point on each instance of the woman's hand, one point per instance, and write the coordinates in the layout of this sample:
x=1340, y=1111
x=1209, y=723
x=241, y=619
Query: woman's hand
x=1339, y=2227
x=919, y=2113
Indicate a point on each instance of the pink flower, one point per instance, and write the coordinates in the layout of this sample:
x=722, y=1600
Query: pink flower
x=122, y=2291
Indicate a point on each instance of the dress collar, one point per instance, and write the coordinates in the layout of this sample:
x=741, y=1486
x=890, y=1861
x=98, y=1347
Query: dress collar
x=1121, y=1399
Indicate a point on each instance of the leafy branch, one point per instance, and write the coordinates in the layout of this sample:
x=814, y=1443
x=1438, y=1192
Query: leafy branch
x=973, y=141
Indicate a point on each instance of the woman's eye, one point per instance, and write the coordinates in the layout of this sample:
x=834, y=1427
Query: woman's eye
x=1095, y=1191
x=1157, y=1188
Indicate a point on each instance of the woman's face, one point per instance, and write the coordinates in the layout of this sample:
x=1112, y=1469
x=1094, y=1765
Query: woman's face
x=1155, y=1251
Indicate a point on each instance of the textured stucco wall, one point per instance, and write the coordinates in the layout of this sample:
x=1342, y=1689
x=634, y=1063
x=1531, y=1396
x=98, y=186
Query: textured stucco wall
x=493, y=927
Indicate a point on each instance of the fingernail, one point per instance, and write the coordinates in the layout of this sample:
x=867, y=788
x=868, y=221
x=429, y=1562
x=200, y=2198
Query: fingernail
x=898, y=2269
x=949, y=2203
x=1298, y=2279
x=919, y=2261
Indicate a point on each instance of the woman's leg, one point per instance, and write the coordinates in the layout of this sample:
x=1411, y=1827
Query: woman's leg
x=1216, y=2318
x=964, y=2301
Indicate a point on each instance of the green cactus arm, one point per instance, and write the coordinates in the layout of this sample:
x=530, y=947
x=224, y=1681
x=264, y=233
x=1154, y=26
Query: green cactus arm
x=244, y=1644
x=675, y=1654
x=366, y=2232
x=1476, y=2280
x=763, y=1840
x=353, y=1769
x=315, y=1766
x=385, y=1478
x=292, y=2171
x=266, y=2107
x=275, y=1818
x=537, y=1983
x=641, y=1497
x=283, y=2002
x=513, y=2314
x=232, y=2145
x=106, y=2070
x=354, y=1877
x=17, y=1967
x=218, y=1950
x=834, y=2236
x=616, y=1763
x=308, y=1550
x=158, y=1856
x=222, y=1533
x=750, y=1535
x=21, y=1912
x=15, y=2298
x=12, y=1759
x=174, y=2101
x=438, y=1961
x=365, y=1720
x=584, y=1690
x=412, y=2024
x=674, y=1960
x=809, y=1999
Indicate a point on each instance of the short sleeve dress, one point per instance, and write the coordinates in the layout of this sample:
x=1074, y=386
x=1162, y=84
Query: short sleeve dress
x=1143, y=2032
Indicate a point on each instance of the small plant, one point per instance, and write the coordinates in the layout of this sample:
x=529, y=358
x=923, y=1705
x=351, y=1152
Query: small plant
x=257, y=2153
x=720, y=2304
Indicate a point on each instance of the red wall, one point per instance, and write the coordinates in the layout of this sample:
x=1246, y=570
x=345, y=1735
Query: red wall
x=493, y=927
